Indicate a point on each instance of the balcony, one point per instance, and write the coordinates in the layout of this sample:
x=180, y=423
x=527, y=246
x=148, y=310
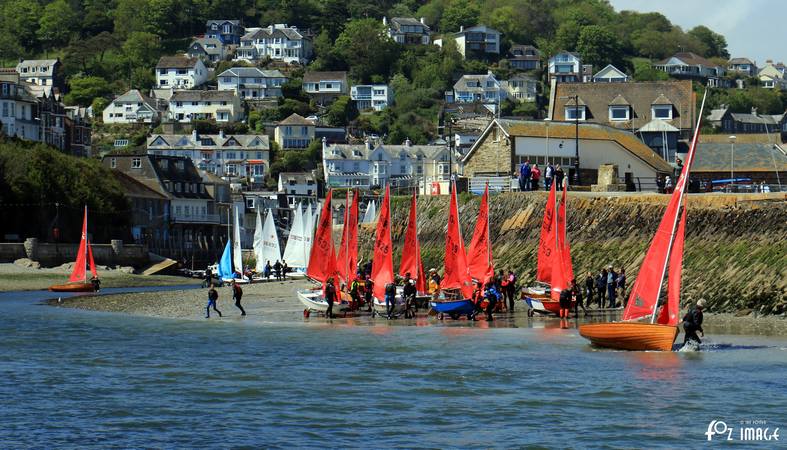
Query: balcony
x=196, y=218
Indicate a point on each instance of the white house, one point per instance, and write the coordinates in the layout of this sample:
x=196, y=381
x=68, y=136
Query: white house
x=207, y=49
x=472, y=41
x=743, y=66
x=294, y=132
x=771, y=77
x=371, y=96
x=131, y=107
x=565, y=67
x=252, y=83
x=18, y=109
x=374, y=164
x=298, y=187
x=610, y=74
x=278, y=42
x=325, y=86
x=521, y=88
x=230, y=156
x=221, y=106
x=180, y=72
x=478, y=88
x=408, y=30
x=42, y=72
x=692, y=66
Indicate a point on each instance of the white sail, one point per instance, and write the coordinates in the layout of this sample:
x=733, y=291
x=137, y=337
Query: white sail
x=237, y=256
x=371, y=213
x=295, y=251
x=258, y=244
x=270, y=241
x=309, y=222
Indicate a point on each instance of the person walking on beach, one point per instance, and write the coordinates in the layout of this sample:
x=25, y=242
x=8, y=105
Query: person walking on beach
x=96, y=283
x=612, y=282
x=692, y=322
x=601, y=287
x=208, y=278
x=576, y=295
x=590, y=285
x=330, y=297
x=213, y=297
x=549, y=172
x=535, y=176
x=237, y=295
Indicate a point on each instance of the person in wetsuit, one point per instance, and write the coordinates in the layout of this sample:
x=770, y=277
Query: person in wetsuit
x=409, y=293
x=565, y=303
x=692, y=322
x=492, y=295
x=390, y=299
x=330, y=297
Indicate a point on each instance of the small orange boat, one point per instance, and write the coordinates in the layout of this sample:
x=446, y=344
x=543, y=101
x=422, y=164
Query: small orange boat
x=630, y=335
x=78, y=281
x=73, y=287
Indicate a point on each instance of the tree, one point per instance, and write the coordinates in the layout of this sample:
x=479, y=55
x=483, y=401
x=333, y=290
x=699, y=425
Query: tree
x=142, y=49
x=84, y=90
x=57, y=23
x=19, y=22
x=341, y=112
x=644, y=71
x=142, y=78
x=459, y=13
x=86, y=53
x=567, y=36
x=366, y=48
x=716, y=43
x=599, y=46
x=129, y=17
x=158, y=17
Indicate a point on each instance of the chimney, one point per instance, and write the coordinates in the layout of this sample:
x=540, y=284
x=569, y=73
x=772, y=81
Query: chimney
x=368, y=143
x=407, y=143
x=423, y=20
x=461, y=28
x=753, y=111
x=221, y=133
x=385, y=21
x=194, y=135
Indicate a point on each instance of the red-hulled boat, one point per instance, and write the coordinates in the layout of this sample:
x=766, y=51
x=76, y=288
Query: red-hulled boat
x=78, y=281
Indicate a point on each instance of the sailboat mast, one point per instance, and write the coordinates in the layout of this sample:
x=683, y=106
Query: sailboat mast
x=488, y=236
x=680, y=184
x=86, y=244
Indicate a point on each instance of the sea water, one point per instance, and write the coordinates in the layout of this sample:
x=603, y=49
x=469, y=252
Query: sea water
x=71, y=378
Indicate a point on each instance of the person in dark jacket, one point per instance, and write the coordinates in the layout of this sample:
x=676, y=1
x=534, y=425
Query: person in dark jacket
x=612, y=283
x=576, y=295
x=208, y=278
x=511, y=290
x=277, y=270
x=590, y=286
x=367, y=292
x=559, y=175
x=565, y=303
x=524, y=176
x=390, y=299
x=601, y=287
x=409, y=292
x=692, y=322
x=213, y=297
x=330, y=297
x=492, y=295
x=237, y=294
x=622, y=286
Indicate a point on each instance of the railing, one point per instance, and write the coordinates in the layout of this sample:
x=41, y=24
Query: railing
x=196, y=218
x=496, y=184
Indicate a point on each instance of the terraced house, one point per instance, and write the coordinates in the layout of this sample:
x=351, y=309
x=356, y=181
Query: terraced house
x=325, y=87
x=131, y=107
x=252, y=83
x=221, y=106
x=240, y=156
x=228, y=32
x=277, y=42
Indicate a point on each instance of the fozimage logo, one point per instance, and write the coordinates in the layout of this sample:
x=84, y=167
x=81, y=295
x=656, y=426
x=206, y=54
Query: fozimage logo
x=747, y=431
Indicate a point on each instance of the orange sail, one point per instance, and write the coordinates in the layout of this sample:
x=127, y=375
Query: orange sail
x=84, y=256
x=546, y=245
x=562, y=241
x=669, y=313
x=411, y=252
x=322, y=260
x=347, y=259
x=455, y=274
x=479, y=253
x=382, y=262
x=644, y=296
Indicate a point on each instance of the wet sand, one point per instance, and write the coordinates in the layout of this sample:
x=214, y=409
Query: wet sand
x=276, y=302
x=18, y=278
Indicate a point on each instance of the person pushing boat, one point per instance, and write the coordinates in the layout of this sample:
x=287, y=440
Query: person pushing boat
x=692, y=322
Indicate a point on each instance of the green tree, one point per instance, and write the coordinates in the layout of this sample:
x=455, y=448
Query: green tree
x=84, y=90
x=85, y=54
x=644, y=71
x=158, y=17
x=99, y=105
x=19, y=22
x=142, y=78
x=142, y=49
x=57, y=23
x=341, y=111
x=459, y=13
x=129, y=17
x=599, y=46
x=366, y=48
x=716, y=43
x=567, y=36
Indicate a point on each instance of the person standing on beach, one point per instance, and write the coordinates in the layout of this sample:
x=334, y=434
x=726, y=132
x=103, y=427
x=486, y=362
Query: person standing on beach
x=549, y=171
x=601, y=287
x=590, y=285
x=208, y=277
x=622, y=286
x=213, y=297
x=535, y=176
x=267, y=270
x=612, y=283
x=511, y=290
x=237, y=294
x=277, y=270
x=330, y=297
x=390, y=299
x=284, y=269
x=368, y=287
x=692, y=322
x=559, y=175
x=576, y=295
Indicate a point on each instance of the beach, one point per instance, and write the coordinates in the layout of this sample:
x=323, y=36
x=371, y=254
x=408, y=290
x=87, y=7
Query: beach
x=16, y=277
x=276, y=302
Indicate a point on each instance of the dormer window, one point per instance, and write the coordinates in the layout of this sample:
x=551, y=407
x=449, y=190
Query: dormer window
x=575, y=113
x=663, y=112
x=619, y=113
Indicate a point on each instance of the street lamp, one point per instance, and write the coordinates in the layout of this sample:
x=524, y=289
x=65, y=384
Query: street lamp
x=732, y=160
x=575, y=97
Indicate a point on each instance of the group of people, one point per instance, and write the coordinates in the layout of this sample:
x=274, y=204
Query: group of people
x=213, y=298
x=606, y=287
x=278, y=270
x=530, y=176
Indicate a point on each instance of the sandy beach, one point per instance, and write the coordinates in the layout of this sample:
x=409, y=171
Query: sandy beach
x=277, y=302
x=15, y=277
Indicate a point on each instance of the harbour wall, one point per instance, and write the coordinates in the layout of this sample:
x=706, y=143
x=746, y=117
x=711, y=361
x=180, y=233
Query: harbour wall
x=735, y=255
x=49, y=255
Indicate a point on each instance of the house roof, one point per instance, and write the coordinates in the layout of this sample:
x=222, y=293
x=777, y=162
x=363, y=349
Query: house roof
x=134, y=188
x=184, y=95
x=227, y=141
x=312, y=77
x=409, y=21
x=523, y=49
x=587, y=131
x=754, y=119
x=690, y=58
x=176, y=62
x=251, y=72
x=657, y=126
x=741, y=61
x=473, y=82
x=610, y=70
x=362, y=152
x=619, y=101
x=37, y=63
x=274, y=31
x=716, y=114
x=296, y=119
x=754, y=157
x=478, y=28
x=205, y=41
x=134, y=96
x=221, y=21
x=298, y=177
x=640, y=95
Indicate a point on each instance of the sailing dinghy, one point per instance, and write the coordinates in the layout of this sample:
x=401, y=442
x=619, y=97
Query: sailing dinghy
x=78, y=281
x=266, y=244
x=296, y=252
x=554, y=271
x=634, y=332
x=456, y=279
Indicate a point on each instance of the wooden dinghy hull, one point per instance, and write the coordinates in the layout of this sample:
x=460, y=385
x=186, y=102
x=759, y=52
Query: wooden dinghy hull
x=73, y=287
x=630, y=335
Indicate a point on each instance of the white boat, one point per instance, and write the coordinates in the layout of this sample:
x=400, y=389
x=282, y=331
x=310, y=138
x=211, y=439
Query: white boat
x=313, y=300
x=296, y=252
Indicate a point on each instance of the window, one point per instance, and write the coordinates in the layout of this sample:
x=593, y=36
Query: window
x=304, y=131
x=575, y=113
x=250, y=203
x=113, y=163
x=618, y=113
x=662, y=111
x=136, y=163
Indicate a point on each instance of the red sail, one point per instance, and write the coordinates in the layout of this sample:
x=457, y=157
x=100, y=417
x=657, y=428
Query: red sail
x=322, y=260
x=347, y=259
x=79, y=273
x=455, y=274
x=479, y=254
x=411, y=252
x=670, y=311
x=565, y=249
x=382, y=262
x=546, y=246
x=90, y=261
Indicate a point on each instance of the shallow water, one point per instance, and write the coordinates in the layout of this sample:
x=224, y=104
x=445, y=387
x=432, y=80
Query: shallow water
x=72, y=378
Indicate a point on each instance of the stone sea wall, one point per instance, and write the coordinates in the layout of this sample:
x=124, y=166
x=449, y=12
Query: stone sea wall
x=736, y=245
